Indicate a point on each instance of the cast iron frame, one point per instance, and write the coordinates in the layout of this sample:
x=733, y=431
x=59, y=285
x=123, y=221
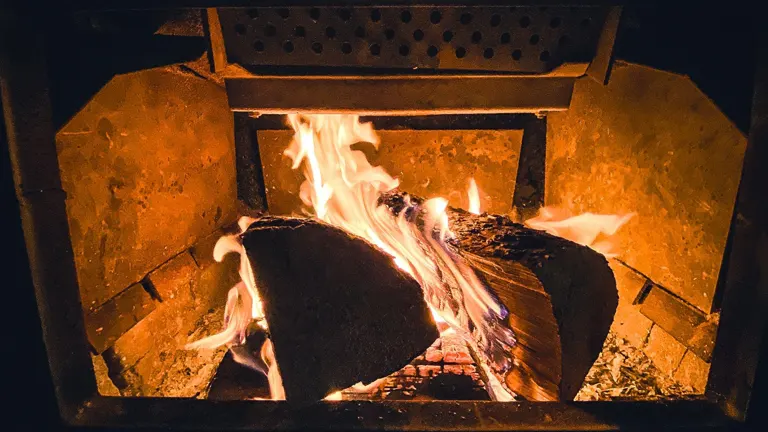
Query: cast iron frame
x=31, y=140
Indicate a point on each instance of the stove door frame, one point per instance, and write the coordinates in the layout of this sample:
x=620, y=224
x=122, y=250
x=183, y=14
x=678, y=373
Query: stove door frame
x=31, y=140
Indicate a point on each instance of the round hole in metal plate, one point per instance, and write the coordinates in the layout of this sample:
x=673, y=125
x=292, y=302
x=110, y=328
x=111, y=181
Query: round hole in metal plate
x=330, y=32
x=375, y=49
x=544, y=56
x=406, y=16
x=505, y=38
x=269, y=30
x=432, y=51
x=314, y=13
x=346, y=48
x=495, y=20
x=461, y=52
x=404, y=50
x=517, y=54
x=317, y=47
x=488, y=53
x=300, y=31
x=345, y=14
x=555, y=22
x=418, y=35
x=447, y=36
x=284, y=13
x=534, y=39
x=466, y=18
x=288, y=47
x=525, y=22
x=360, y=32
x=477, y=37
x=375, y=15
x=258, y=46
x=240, y=29
x=435, y=16
x=253, y=13
x=389, y=34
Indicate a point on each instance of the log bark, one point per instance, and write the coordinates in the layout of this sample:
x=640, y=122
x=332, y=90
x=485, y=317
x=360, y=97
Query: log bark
x=339, y=310
x=561, y=297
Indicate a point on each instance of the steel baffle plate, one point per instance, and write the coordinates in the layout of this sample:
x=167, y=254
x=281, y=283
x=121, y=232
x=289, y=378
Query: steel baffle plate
x=495, y=38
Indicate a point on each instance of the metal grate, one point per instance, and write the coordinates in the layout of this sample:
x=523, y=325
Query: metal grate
x=517, y=39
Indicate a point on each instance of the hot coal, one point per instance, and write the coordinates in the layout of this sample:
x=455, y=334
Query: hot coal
x=339, y=310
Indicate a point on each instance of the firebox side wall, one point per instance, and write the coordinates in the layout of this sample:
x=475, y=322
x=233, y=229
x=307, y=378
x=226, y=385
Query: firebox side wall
x=651, y=142
x=428, y=163
x=148, y=168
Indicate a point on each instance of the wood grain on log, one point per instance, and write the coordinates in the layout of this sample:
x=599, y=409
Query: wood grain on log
x=555, y=290
x=561, y=297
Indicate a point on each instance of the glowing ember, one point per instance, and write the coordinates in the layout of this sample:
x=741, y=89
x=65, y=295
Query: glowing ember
x=588, y=229
x=474, y=197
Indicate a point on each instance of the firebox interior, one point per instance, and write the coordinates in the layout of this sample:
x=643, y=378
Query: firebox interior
x=120, y=244
x=632, y=165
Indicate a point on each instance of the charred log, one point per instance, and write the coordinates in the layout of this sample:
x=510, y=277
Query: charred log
x=561, y=297
x=339, y=310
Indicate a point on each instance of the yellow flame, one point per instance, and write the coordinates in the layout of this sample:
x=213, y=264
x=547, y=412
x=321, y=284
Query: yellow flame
x=335, y=396
x=276, y=390
x=588, y=229
x=474, y=197
x=343, y=189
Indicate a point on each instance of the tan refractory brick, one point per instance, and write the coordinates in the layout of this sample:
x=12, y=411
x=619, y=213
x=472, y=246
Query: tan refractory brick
x=104, y=383
x=631, y=325
x=693, y=372
x=628, y=282
x=115, y=317
x=664, y=350
x=628, y=322
x=173, y=278
x=202, y=251
x=148, y=164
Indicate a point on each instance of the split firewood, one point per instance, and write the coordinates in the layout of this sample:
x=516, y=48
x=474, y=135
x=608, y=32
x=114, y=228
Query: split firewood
x=561, y=297
x=339, y=310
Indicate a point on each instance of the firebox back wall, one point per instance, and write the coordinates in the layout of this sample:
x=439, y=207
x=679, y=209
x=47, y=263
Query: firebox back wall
x=649, y=142
x=427, y=163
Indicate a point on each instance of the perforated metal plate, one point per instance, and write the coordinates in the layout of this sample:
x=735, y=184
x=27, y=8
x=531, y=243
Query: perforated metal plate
x=515, y=39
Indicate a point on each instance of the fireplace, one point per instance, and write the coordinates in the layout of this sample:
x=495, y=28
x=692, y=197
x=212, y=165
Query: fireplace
x=510, y=123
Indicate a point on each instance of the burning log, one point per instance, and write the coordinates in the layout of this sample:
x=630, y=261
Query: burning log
x=339, y=310
x=561, y=298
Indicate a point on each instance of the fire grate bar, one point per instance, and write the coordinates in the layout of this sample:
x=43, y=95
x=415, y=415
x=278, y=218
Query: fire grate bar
x=510, y=39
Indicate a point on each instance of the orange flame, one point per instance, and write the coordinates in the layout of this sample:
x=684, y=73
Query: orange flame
x=588, y=229
x=474, y=197
x=343, y=189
